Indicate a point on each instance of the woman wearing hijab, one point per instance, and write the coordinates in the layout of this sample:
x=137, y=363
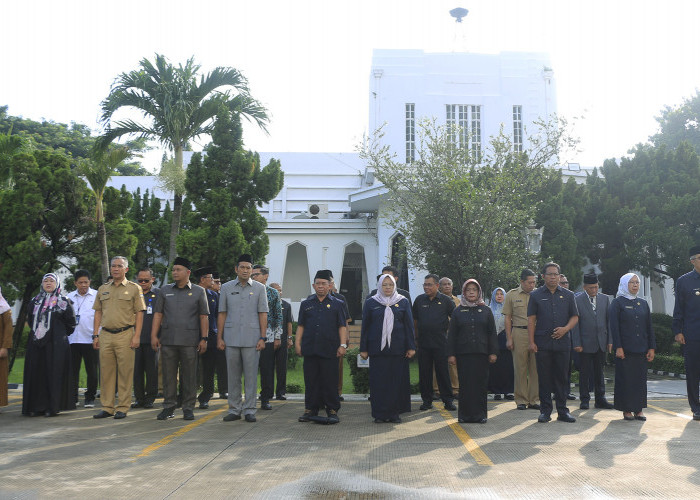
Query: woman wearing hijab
x=5, y=346
x=47, y=365
x=501, y=374
x=387, y=337
x=472, y=344
x=634, y=345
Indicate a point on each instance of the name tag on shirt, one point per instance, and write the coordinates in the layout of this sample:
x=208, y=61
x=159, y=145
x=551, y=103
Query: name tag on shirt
x=629, y=307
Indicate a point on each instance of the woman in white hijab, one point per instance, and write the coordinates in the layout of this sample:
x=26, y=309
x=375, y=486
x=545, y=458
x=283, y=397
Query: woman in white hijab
x=47, y=385
x=5, y=346
x=387, y=338
x=634, y=345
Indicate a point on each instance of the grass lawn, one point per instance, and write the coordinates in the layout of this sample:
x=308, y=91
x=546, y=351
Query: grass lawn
x=294, y=377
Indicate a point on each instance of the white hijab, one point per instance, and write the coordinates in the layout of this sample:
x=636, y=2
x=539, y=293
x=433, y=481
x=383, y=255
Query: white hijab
x=623, y=290
x=4, y=306
x=387, y=302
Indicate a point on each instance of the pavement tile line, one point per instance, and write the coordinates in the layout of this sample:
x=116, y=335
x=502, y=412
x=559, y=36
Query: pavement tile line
x=681, y=415
x=472, y=447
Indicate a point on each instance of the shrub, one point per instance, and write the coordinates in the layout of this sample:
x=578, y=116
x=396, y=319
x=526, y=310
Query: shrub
x=665, y=341
x=294, y=389
x=667, y=363
x=292, y=358
x=360, y=376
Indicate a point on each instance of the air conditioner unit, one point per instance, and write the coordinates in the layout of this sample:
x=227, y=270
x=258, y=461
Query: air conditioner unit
x=318, y=210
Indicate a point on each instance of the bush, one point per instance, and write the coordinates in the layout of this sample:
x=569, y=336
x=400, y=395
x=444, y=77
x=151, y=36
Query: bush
x=661, y=323
x=360, y=376
x=666, y=363
x=294, y=389
x=292, y=358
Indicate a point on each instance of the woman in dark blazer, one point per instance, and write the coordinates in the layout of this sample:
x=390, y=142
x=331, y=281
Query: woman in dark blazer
x=387, y=338
x=634, y=345
x=472, y=344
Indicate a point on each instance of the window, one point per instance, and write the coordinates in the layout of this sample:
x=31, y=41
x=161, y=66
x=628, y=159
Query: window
x=518, y=129
x=410, y=132
x=466, y=119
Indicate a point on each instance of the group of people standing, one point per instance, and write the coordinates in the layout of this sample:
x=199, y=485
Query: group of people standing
x=519, y=346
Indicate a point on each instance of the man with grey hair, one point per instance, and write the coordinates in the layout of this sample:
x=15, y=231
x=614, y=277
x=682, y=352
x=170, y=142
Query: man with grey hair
x=116, y=333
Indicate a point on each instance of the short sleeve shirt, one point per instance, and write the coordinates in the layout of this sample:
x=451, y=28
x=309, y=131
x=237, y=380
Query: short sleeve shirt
x=515, y=306
x=552, y=310
x=181, y=308
x=119, y=304
x=433, y=318
x=321, y=321
x=242, y=302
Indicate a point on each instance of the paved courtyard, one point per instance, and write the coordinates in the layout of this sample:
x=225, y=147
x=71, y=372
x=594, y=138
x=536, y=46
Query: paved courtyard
x=429, y=455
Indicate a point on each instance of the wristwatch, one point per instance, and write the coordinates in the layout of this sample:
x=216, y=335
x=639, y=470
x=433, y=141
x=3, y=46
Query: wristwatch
x=344, y=346
x=95, y=337
x=203, y=338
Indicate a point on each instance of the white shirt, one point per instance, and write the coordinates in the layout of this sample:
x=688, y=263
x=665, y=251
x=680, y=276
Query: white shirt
x=84, y=316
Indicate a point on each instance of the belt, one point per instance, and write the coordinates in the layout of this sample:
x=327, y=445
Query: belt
x=117, y=330
x=520, y=327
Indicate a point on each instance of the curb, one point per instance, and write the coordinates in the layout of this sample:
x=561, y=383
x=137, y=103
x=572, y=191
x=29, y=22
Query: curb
x=667, y=374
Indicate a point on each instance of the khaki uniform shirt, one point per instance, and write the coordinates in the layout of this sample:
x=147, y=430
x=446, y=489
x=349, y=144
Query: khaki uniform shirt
x=119, y=304
x=515, y=306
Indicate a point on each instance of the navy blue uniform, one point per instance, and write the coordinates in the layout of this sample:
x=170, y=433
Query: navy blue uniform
x=432, y=318
x=389, y=378
x=552, y=310
x=281, y=353
x=319, y=345
x=686, y=320
x=213, y=360
x=145, y=358
x=630, y=327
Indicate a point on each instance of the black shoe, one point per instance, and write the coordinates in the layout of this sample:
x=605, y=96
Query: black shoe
x=534, y=406
x=426, y=406
x=223, y=396
x=510, y=397
x=496, y=397
x=629, y=416
x=166, y=413
x=482, y=421
x=250, y=418
x=188, y=414
x=566, y=417
x=639, y=416
x=379, y=421
x=307, y=414
x=395, y=420
x=571, y=396
x=136, y=405
x=281, y=398
x=102, y=414
x=148, y=405
x=231, y=417
x=604, y=405
x=265, y=405
x=119, y=415
x=584, y=405
x=54, y=413
x=543, y=418
x=696, y=415
x=521, y=406
x=332, y=417
x=341, y=398
x=450, y=406
x=461, y=421
x=203, y=405
x=89, y=403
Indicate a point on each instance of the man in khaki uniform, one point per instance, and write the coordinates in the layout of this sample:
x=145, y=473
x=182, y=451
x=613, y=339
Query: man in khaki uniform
x=117, y=332
x=524, y=365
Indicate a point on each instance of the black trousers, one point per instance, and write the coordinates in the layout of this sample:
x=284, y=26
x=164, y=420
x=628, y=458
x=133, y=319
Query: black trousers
x=91, y=358
x=145, y=374
x=691, y=353
x=321, y=381
x=592, y=367
x=267, y=371
x=281, y=369
x=213, y=362
x=427, y=358
x=552, y=371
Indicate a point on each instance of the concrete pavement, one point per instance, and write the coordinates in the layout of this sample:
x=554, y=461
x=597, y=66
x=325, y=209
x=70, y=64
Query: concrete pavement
x=429, y=455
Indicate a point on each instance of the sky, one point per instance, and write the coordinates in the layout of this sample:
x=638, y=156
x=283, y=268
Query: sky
x=617, y=63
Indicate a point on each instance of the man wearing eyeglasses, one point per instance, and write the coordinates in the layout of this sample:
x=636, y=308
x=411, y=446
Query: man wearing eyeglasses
x=146, y=359
x=686, y=327
x=551, y=315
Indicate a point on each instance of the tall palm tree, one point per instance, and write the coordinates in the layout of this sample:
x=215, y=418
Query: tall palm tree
x=177, y=108
x=97, y=170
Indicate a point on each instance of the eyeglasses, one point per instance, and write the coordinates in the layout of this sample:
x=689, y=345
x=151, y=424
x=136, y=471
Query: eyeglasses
x=563, y=282
x=144, y=281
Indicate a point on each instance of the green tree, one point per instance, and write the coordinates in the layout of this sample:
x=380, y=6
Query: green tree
x=226, y=188
x=177, y=109
x=43, y=220
x=647, y=212
x=151, y=229
x=678, y=124
x=463, y=216
x=10, y=145
x=98, y=170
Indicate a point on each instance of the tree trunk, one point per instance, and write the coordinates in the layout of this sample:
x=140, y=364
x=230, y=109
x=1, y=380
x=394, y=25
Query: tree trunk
x=177, y=215
x=21, y=320
x=104, y=256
